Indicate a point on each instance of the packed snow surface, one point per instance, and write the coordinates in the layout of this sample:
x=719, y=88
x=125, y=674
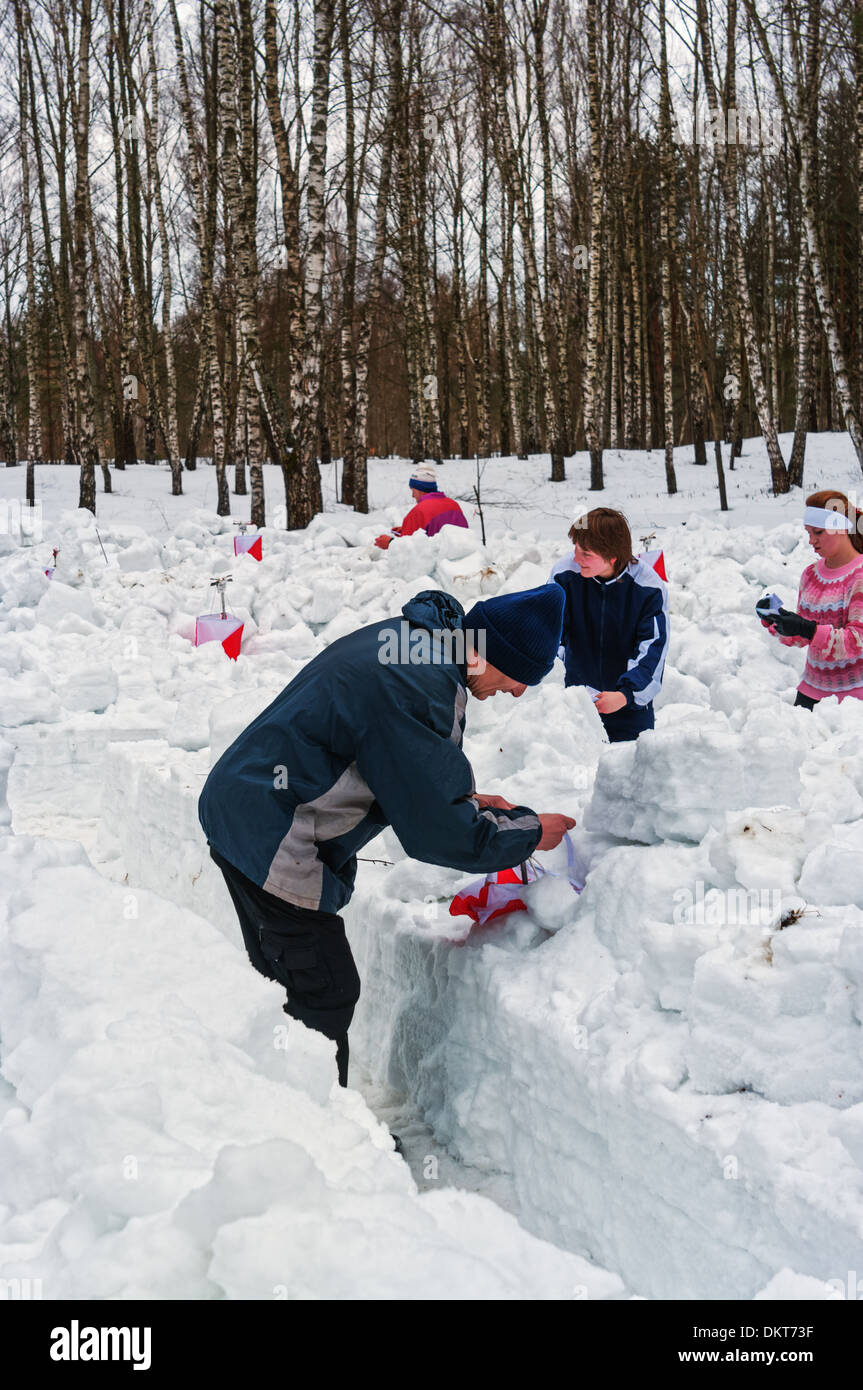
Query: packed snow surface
x=660, y=1081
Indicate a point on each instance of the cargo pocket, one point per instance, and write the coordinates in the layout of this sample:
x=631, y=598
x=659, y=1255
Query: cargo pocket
x=297, y=964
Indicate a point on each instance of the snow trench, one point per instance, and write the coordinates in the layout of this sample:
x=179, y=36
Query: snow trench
x=672, y=1082
x=165, y=1132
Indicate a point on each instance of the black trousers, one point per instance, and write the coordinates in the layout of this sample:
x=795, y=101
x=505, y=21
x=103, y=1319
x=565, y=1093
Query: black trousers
x=305, y=951
x=806, y=701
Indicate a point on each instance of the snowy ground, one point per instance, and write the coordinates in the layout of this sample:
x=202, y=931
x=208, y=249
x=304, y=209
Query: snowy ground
x=654, y=1090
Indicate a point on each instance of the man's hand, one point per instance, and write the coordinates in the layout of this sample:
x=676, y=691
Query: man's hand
x=383, y=541
x=609, y=701
x=553, y=830
x=499, y=802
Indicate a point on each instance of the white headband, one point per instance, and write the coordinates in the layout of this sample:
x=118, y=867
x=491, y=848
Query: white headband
x=826, y=520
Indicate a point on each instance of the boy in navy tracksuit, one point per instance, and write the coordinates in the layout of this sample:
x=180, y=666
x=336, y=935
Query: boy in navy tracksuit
x=615, y=625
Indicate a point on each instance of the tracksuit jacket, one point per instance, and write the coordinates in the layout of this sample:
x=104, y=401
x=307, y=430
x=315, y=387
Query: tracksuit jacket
x=615, y=637
x=364, y=742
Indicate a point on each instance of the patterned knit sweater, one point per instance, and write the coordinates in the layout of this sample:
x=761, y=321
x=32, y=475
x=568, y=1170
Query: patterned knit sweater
x=832, y=598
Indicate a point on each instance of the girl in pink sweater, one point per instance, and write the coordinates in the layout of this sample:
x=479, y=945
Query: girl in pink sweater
x=829, y=617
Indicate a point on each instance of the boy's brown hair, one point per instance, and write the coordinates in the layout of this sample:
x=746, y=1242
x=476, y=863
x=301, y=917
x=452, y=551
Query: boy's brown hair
x=833, y=501
x=607, y=533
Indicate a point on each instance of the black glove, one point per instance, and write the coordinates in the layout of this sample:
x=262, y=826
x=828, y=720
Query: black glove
x=792, y=625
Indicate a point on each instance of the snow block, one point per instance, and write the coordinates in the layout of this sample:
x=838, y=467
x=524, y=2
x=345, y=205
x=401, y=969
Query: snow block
x=162, y=1155
x=60, y=600
x=553, y=1065
x=833, y=872
x=678, y=781
x=94, y=689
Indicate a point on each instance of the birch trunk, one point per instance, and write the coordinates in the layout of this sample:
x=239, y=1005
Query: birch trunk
x=85, y=444
x=639, y=427
x=668, y=221
x=198, y=409
x=347, y=348
x=646, y=383
x=483, y=362
x=139, y=250
x=8, y=440
x=805, y=365
x=34, y=409
x=242, y=224
x=206, y=232
x=613, y=318
x=727, y=160
x=125, y=450
x=58, y=274
x=512, y=177
x=802, y=115
x=459, y=295
x=372, y=300
x=151, y=134
x=823, y=299
x=510, y=330
x=628, y=243
x=557, y=315
x=292, y=267
x=770, y=292
x=305, y=484
x=593, y=363
x=104, y=327
x=258, y=407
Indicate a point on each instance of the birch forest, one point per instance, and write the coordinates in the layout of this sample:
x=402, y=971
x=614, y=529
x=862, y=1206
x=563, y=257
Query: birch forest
x=307, y=232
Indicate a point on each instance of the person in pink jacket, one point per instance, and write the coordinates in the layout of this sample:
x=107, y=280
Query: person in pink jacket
x=829, y=617
x=432, y=510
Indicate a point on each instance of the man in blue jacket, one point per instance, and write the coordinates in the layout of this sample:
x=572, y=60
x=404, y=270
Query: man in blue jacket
x=369, y=734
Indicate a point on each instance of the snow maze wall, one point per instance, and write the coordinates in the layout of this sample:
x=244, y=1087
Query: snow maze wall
x=674, y=1096
x=680, y=1101
x=671, y=1070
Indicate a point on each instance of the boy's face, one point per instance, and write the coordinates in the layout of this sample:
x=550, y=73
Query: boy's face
x=592, y=565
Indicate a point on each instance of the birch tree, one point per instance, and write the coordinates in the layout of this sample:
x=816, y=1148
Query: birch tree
x=205, y=228
x=800, y=116
x=34, y=410
x=592, y=366
x=725, y=154
x=668, y=221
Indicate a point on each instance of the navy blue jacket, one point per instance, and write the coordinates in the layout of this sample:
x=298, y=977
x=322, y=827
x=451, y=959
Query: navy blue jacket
x=615, y=635
x=356, y=742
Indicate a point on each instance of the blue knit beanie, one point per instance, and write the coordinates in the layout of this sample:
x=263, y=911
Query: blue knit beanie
x=522, y=631
x=424, y=478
